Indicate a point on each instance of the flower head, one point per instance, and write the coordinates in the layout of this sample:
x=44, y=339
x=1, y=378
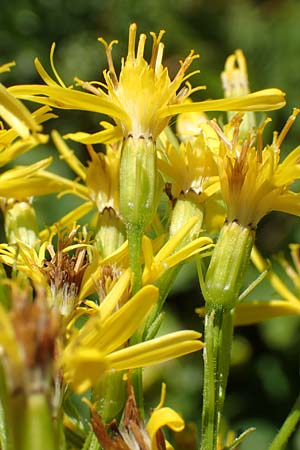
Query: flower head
x=143, y=98
x=253, y=180
x=27, y=342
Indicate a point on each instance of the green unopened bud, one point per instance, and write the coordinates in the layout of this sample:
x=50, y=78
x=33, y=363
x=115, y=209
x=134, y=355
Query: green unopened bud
x=20, y=223
x=138, y=182
x=110, y=233
x=227, y=267
x=184, y=209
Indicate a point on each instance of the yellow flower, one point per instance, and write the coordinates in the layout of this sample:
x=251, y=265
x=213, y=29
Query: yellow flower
x=61, y=276
x=253, y=180
x=99, y=345
x=143, y=98
x=285, y=303
x=191, y=169
x=167, y=256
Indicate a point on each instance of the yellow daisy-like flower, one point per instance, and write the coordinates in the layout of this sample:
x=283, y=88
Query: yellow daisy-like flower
x=253, y=180
x=143, y=98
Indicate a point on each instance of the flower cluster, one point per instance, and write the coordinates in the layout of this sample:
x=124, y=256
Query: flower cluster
x=82, y=299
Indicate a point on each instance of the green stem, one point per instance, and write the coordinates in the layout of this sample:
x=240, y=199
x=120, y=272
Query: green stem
x=218, y=339
x=223, y=283
x=135, y=234
x=38, y=428
x=287, y=427
x=6, y=438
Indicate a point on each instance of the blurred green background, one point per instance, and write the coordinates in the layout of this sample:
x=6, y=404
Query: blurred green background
x=265, y=375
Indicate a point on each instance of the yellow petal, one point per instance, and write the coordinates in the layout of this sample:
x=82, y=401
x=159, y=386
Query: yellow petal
x=16, y=114
x=156, y=351
x=264, y=100
x=252, y=312
x=83, y=368
x=112, y=298
x=160, y=418
x=104, y=136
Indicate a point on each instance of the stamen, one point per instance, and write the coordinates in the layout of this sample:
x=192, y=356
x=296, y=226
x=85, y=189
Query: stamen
x=241, y=62
x=220, y=133
x=87, y=86
x=236, y=122
x=245, y=147
x=51, y=250
x=287, y=126
x=186, y=77
x=159, y=57
x=53, y=66
x=197, y=88
x=108, y=51
x=184, y=65
x=131, y=41
x=156, y=42
x=259, y=138
x=79, y=260
x=184, y=91
x=141, y=47
x=229, y=64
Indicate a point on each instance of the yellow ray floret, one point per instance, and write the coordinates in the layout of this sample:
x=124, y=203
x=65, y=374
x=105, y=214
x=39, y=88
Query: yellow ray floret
x=98, y=345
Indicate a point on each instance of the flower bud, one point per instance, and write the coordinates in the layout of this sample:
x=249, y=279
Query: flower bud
x=20, y=223
x=184, y=209
x=110, y=234
x=227, y=267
